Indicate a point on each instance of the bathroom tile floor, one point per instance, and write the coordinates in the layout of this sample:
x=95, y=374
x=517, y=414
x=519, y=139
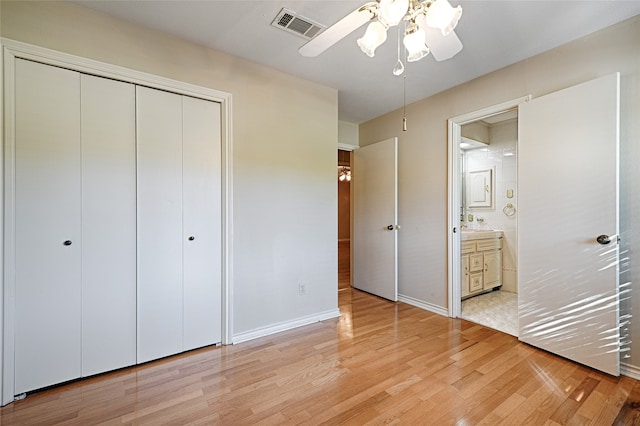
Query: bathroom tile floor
x=497, y=310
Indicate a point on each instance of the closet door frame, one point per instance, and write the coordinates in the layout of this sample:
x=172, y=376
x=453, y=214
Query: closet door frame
x=13, y=49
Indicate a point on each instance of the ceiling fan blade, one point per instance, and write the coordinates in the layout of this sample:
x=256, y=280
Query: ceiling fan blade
x=338, y=31
x=442, y=47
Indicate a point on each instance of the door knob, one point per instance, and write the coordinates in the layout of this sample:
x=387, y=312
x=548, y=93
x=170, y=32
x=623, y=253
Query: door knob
x=603, y=239
x=393, y=227
x=67, y=243
x=191, y=238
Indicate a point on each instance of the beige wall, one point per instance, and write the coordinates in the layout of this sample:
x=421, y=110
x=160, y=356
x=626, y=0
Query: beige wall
x=347, y=133
x=423, y=155
x=284, y=154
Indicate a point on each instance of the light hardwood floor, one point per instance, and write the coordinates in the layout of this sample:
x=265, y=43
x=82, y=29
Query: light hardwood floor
x=381, y=362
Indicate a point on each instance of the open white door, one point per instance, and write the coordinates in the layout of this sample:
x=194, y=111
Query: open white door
x=375, y=219
x=568, y=211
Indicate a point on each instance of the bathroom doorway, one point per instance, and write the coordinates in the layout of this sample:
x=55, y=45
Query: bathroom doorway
x=483, y=285
x=488, y=221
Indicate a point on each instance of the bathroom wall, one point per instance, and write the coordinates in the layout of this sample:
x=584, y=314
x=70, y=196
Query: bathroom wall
x=477, y=130
x=499, y=155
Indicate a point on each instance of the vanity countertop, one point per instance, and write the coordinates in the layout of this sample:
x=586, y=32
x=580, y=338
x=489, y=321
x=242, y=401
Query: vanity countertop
x=472, y=234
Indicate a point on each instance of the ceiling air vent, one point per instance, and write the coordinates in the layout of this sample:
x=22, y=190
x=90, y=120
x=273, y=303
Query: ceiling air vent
x=296, y=24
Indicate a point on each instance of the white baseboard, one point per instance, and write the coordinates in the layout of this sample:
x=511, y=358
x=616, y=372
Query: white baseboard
x=283, y=326
x=630, y=370
x=423, y=305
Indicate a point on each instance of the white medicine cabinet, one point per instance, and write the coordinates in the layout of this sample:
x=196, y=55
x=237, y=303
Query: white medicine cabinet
x=479, y=185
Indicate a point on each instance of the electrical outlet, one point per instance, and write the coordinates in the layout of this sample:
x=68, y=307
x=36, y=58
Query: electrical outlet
x=302, y=289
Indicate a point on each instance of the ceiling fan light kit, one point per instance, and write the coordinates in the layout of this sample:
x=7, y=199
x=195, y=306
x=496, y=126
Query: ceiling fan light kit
x=443, y=16
x=429, y=26
x=391, y=12
x=414, y=42
x=375, y=35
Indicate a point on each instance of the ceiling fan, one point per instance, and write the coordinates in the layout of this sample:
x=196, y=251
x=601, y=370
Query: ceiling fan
x=429, y=26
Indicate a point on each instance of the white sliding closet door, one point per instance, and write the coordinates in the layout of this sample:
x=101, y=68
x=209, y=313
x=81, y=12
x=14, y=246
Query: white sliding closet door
x=47, y=226
x=108, y=225
x=159, y=146
x=202, y=219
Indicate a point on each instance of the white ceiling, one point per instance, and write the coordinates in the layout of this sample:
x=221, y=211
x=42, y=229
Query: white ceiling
x=494, y=33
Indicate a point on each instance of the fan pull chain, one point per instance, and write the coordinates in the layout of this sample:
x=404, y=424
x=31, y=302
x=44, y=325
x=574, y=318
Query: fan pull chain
x=399, y=68
x=404, y=87
x=404, y=103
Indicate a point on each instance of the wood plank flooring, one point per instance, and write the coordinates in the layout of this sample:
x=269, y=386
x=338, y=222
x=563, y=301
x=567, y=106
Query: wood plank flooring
x=344, y=264
x=381, y=362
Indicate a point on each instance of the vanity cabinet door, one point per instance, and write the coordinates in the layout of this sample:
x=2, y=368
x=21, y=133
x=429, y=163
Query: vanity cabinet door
x=475, y=282
x=492, y=269
x=465, y=276
x=476, y=262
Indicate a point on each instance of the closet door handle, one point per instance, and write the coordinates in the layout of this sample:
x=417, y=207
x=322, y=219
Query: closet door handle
x=67, y=243
x=191, y=238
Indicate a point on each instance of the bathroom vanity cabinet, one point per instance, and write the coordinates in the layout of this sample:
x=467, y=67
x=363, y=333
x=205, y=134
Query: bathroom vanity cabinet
x=481, y=261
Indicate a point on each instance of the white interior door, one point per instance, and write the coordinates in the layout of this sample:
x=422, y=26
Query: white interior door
x=47, y=226
x=159, y=136
x=108, y=224
x=202, y=239
x=375, y=219
x=568, y=196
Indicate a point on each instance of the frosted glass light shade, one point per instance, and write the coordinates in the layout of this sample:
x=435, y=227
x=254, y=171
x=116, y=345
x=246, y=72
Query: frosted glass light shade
x=391, y=12
x=443, y=16
x=375, y=35
x=414, y=43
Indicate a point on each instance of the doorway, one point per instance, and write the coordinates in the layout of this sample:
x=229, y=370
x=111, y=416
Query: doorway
x=483, y=201
x=567, y=214
x=488, y=221
x=344, y=219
